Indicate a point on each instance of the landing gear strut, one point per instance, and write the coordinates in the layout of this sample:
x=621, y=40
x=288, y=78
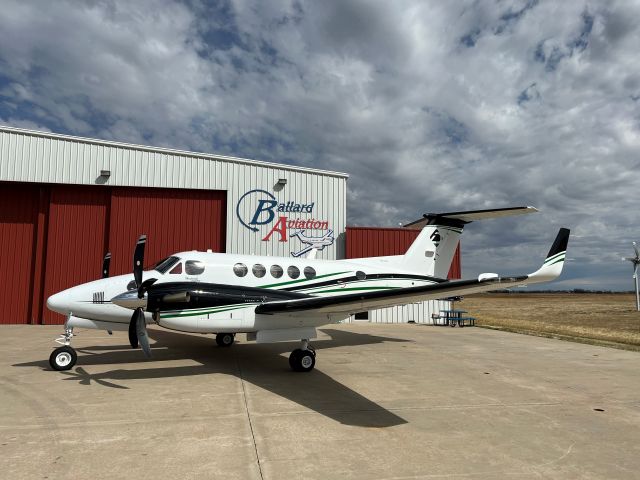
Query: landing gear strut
x=303, y=359
x=65, y=357
x=225, y=339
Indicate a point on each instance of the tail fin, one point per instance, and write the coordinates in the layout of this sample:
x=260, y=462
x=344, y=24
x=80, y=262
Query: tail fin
x=432, y=251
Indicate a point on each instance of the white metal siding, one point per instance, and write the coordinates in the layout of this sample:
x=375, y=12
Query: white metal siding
x=28, y=156
x=417, y=312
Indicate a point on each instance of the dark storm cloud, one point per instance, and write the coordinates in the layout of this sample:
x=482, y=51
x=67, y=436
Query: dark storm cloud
x=430, y=106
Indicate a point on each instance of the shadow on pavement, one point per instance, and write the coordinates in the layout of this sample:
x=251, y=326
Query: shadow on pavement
x=261, y=365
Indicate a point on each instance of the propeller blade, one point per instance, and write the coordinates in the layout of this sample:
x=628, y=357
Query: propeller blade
x=138, y=259
x=105, y=265
x=143, y=338
x=133, y=337
x=144, y=286
x=636, y=250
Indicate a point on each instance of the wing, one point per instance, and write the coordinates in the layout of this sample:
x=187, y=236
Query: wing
x=342, y=304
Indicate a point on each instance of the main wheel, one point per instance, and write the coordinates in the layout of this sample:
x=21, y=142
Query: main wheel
x=63, y=358
x=225, y=339
x=302, y=360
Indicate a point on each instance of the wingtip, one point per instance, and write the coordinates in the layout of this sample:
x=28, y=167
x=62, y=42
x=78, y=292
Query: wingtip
x=560, y=243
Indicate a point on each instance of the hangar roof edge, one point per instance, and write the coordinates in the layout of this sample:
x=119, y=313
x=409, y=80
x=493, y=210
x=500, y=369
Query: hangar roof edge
x=133, y=146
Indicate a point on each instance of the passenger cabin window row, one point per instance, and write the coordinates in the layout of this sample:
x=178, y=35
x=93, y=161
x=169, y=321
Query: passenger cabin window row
x=276, y=271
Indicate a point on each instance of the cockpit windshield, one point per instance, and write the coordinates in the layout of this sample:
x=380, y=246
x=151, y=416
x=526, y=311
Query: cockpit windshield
x=163, y=266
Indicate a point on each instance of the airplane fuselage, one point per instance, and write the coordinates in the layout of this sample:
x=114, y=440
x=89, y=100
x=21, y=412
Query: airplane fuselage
x=231, y=287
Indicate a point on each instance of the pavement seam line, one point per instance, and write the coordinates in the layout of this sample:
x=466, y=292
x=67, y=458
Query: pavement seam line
x=246, y=409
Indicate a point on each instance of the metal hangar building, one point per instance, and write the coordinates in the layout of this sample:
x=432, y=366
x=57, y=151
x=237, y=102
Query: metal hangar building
x=65, y=201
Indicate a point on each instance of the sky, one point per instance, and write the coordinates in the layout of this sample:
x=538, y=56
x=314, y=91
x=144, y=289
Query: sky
x=429, y=106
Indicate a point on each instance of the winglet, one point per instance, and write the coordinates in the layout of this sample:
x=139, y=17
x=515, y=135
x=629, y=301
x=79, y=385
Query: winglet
x=552, y=266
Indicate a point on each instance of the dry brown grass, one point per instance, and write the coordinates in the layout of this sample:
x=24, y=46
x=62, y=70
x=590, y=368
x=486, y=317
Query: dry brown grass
x=592, y=318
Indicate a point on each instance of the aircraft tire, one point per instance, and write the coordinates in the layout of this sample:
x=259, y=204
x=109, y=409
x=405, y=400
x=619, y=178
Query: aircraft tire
x=225, y=339
x=302, y=360
x=63, y=358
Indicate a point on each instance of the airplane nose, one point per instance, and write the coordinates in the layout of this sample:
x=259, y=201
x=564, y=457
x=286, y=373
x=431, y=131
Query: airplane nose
x=130, y=300
x=59, y=303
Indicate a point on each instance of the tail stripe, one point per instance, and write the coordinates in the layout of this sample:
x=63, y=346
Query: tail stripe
x=553, y=257
x=553, y=262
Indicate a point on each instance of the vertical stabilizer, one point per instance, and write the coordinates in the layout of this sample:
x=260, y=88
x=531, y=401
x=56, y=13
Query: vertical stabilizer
x=432, y=251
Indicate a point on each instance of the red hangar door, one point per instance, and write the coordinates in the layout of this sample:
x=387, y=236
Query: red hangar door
x=53, y=237
x=18, y=226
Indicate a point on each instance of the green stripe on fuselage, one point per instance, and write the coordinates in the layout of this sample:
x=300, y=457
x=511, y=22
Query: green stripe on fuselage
x=291, y=282
x=193, y=313
x=353, y=289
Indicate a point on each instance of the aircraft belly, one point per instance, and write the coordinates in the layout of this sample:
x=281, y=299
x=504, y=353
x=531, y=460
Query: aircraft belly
x=103, y=312
x=270, y=322
x=78, y=322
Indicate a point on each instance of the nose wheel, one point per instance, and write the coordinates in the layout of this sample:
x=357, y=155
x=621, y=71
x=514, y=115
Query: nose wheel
x=63, y=358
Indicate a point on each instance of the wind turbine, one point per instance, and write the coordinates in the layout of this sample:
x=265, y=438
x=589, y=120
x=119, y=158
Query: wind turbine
x=636, y=261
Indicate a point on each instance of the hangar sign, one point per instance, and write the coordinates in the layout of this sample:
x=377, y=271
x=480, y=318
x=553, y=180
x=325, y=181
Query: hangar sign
x=264, y=209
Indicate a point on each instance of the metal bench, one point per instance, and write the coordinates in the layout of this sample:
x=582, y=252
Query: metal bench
x=462, y=321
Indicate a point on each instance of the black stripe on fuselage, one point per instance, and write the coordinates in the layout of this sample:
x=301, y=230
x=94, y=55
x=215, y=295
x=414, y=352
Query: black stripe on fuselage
x=353, y=278
x=207, y=295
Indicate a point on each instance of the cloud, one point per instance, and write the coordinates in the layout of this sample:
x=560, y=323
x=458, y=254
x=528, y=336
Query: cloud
x=430, y=106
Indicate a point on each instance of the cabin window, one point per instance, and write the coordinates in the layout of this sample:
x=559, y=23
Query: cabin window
x=309, y=272
x=163, y=266
x=293, y=271
x=240, y=269
x=276, y=271
x=177, y=269
x=193, y=267
x=259, y=270
x=360, y=275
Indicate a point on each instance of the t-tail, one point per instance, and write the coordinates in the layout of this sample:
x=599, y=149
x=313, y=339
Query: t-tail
x=432, y=251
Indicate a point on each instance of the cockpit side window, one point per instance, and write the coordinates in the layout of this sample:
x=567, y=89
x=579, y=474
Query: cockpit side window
x=176, y=270
x=163, y=266
x=193, y=267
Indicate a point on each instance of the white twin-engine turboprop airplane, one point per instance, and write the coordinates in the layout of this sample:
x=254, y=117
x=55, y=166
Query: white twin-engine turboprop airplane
x=278, y=298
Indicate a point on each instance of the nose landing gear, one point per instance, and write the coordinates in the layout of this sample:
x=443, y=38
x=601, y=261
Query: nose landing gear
x=65, y=357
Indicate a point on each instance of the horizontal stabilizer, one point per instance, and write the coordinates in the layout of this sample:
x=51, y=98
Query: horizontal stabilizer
x=468, y=216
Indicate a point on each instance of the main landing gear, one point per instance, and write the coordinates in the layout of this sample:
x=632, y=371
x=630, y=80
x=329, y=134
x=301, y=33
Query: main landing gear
x=303, y=359
x=225, y=339
x=65, y=357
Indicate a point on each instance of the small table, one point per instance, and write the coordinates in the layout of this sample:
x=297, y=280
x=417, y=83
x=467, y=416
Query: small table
x=453, y=317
